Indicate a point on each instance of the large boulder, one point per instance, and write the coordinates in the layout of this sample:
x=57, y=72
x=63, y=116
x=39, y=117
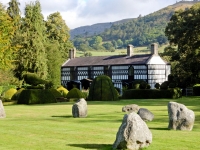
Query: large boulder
x=180, y=117
x=145, y=114
x=130, y=108
x=2, y=112
x=79, y=109
x=133, y=134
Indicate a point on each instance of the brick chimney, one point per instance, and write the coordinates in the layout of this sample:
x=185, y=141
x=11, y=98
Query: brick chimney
x=154, y=49
x=129, y=50
x=72, y=53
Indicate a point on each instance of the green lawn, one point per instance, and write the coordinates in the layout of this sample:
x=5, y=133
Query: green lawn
x=52, y=127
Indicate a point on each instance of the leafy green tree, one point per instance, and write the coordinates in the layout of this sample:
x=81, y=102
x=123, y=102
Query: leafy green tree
x=107, y=45
x=6, y=33
x=58, y=30
x=183, y=31
x=32, y=55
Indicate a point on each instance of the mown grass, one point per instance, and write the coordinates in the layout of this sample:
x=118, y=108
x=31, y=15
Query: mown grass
x=51, y=126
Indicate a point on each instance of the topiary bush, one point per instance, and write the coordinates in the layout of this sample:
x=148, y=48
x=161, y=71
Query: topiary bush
x=102, y=89
x=56, y=93
x=63, y=91
x=143, y=85
x=157, y=86
x=164, y=85
x=75, y=93
x=36, y=96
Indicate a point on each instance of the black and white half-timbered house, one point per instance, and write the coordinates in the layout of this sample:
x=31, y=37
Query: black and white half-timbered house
x=149, y=67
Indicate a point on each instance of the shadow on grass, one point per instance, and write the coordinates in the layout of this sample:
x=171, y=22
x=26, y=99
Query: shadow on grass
x=158, y=128
x=69, y=116
x=93, y=146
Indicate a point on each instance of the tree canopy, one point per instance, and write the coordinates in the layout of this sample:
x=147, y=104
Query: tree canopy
x=183, y=33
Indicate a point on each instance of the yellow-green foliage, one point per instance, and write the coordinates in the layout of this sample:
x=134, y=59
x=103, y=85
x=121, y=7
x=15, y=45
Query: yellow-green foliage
x=63, y=91
x=7, y=95
x=16, y=95
x=75, y=93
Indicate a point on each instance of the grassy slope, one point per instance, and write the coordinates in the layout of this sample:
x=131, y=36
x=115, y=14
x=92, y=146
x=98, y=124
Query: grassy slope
x=138, y=50
x=52, y=126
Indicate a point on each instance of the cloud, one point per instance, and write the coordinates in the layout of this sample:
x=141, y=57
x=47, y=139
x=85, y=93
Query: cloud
x=78, y=13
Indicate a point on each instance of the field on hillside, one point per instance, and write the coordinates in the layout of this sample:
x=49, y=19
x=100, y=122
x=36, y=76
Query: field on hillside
x=52, y=127
x=137, y=50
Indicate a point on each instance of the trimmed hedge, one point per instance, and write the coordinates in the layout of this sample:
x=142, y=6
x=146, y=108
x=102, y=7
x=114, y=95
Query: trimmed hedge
x=102, y=89
x=75, y=93
x=36, y=96
x=152, y=94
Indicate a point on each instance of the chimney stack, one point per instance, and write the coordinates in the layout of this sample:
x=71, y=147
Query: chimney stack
x=72, y=53
x=154, y=49
x=129, y=50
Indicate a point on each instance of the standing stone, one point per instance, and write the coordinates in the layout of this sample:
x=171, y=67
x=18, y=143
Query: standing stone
x=180, y=117
x=2, y=112
x=130, y=108
x=145, y=114
x=79, y=109
x=133, y=134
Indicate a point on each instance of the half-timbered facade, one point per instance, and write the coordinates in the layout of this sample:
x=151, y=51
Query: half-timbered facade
x=149, y=67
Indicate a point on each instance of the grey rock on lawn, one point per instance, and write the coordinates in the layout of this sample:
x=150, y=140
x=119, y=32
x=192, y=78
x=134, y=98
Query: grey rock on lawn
x=180, y=117
x=79, y=109
x=145, y=114
x=133, y=134
x=130, y=108
x=2, y=111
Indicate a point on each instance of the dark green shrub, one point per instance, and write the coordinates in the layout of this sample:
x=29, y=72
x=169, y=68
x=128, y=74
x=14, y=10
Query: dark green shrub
x=63, y=91
x=143, y=85
x=75, y=93
x=33, y=79
x=56, y=93
x=148, y=86
x=136, y=84
x=36, y=96
x=15, y=97
x=157, y=86
x=35, y=87
x=102, y=89
x=196, y=90
x=170, y=78
x=164, y=85
x=172, y=85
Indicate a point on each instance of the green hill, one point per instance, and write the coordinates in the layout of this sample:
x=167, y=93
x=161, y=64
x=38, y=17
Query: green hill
x=140, y=31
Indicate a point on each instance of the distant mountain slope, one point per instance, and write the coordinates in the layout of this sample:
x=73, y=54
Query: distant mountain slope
x=156, y=21
x=94, y=29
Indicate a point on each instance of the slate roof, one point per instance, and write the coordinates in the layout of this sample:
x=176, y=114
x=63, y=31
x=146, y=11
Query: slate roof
x=107, y=60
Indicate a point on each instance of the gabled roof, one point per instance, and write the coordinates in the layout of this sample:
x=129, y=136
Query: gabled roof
x=108, y=60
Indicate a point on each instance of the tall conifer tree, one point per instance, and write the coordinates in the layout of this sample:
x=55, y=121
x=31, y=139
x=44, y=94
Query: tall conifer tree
x=32, y=55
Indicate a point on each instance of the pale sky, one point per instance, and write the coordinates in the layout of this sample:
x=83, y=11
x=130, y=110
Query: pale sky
x=77, y=13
